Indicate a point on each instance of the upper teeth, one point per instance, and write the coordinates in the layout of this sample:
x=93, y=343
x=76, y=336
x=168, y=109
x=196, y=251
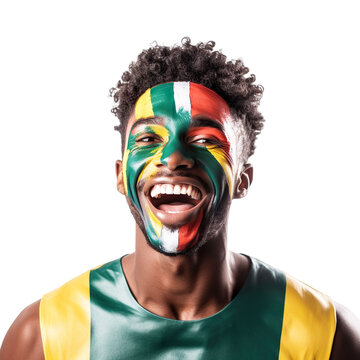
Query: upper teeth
x=170, y=189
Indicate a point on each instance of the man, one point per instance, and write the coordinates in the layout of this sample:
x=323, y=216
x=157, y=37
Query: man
x=188, y=122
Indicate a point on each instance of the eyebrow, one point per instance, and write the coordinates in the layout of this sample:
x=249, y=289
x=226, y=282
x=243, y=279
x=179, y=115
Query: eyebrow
x=147, y=121
x=204, y=121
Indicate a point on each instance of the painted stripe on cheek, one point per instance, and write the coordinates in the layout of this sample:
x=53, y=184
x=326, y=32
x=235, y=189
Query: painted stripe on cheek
x=156, y=224
x=150, y=168
x=218, y=154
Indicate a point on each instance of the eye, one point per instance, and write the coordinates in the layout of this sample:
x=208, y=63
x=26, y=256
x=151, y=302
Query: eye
x=148, y=139
x=203, y=141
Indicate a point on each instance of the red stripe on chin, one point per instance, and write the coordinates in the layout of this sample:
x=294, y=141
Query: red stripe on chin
x=188, y=233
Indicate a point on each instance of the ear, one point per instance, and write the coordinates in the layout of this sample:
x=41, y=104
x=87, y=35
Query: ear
x=119, y=177
x=244, y=181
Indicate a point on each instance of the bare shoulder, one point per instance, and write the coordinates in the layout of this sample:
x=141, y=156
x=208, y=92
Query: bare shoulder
x=23, y=339
x=347, y=336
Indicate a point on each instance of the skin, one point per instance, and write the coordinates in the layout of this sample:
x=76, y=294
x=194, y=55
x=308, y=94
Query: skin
x=187, y=286
x=23, y=340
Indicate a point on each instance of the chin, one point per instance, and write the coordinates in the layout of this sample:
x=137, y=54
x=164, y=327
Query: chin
x=175, y=239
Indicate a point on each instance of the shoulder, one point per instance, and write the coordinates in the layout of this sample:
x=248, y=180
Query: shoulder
x=309, y=303
x=23, y=339
x=308, y=318
x=347, y=337
x=65, y=319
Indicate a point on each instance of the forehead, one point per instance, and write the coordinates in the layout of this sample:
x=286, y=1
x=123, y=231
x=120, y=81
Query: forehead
x=184, y=99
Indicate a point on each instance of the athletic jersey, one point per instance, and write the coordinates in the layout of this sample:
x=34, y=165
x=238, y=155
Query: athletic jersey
x=96, y=317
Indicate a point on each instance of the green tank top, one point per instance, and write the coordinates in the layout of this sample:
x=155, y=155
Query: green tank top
x=274, y=316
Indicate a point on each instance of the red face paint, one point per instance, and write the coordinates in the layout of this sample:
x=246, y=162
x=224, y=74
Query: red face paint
x=208, y=103
x=189, y=233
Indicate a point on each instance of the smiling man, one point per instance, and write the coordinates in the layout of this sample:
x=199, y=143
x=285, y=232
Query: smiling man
x=188, y=121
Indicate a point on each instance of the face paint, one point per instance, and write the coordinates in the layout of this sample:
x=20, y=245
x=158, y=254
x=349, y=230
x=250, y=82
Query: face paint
x=183, y=120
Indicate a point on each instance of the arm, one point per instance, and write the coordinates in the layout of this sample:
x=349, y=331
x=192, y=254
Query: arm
x=23, y=339
x=347, y=336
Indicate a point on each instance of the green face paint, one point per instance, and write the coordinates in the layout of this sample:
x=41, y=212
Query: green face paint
x=164, y=129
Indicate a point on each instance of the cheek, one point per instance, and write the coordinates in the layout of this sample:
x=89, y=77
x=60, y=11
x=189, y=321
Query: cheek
x=225, y=163
x=149, y=166
x=142, y=161
x=215, y=163
x=139, y=165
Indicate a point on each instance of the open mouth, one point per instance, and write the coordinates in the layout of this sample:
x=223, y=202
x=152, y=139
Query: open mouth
x=176, y=201
x=175, y=198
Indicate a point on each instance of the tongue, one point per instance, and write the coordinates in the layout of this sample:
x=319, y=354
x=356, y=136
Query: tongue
x=175, y=206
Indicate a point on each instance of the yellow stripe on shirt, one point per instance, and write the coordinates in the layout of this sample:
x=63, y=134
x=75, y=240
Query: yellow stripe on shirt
x=309, y=323
x=65, y=321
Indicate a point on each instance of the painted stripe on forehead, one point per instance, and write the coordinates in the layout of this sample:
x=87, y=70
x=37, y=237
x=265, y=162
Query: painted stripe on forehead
x=162, y=100
x=168, y=99
x=182, y=97
x=153, y=102
x=207, y=103
x=143, y=107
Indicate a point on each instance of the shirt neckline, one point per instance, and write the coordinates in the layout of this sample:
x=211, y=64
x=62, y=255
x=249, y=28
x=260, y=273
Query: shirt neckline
x=218, y=314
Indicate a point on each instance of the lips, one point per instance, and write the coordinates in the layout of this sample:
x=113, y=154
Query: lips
x=175, y=200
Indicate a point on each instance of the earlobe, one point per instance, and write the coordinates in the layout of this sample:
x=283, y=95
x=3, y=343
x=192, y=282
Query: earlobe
x=244, y=181
x=119, y=177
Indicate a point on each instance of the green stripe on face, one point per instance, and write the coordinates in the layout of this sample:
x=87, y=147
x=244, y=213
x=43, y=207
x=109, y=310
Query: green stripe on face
x=162, y=99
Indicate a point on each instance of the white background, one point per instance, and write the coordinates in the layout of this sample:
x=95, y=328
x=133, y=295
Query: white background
x=60, y=212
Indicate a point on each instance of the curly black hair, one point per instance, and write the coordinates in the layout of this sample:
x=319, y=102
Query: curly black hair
x=196, y=63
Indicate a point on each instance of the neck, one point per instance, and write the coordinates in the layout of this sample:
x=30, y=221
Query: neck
x=185, y=287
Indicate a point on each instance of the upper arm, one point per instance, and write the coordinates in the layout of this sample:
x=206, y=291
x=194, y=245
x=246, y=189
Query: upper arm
x=23, y=339
x=346, y=343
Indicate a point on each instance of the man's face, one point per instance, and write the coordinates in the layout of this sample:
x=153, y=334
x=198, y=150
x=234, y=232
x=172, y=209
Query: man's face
x=178, y=163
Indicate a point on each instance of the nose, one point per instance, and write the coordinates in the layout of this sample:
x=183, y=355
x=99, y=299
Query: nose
x=177, y=160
